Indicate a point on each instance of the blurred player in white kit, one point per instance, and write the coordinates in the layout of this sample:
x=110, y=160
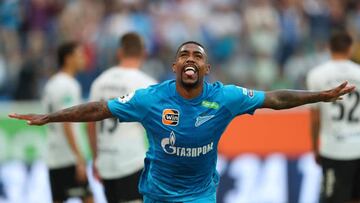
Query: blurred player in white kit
x=337, y=124
x=119, y=148
x=67, y=167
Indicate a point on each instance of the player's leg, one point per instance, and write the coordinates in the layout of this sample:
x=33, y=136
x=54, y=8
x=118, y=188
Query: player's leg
x=356, y=186
x=127, y=188
x=76, y=188
x=110, y=190
x=58, y=184
x=338, y=179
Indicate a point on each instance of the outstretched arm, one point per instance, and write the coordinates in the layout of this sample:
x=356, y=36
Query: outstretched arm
x=92, y=111
x=285, y=99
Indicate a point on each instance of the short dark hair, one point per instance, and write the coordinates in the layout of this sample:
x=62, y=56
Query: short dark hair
x=190, y=42
x=340, y=41
x=64, y=50
x=132, y=44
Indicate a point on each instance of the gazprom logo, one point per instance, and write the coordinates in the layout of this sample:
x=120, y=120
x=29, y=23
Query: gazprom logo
x=168, y=145
x=172, y=138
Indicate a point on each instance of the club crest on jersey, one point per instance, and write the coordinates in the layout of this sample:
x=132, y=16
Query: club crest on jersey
x=126, y=98
x=170, y=117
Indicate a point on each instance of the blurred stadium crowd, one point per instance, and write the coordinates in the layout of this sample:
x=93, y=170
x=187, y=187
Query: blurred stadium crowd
x=262, y=44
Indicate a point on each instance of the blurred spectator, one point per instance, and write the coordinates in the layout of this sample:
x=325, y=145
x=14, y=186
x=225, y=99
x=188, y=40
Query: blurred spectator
x=318, y=14
x=337, y=14
x=258, y=42
x=39, y=14
x=262, y=26
x=239, y=70
x=302, y=61
x=265, y=71
x=290, y=30
x=354, y=25
x=33, y=71
x=10, y=23
x=222, y=30
x=80, y=21
x=354, y=20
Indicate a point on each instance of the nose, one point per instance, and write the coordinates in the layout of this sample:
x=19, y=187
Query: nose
x=190, y=59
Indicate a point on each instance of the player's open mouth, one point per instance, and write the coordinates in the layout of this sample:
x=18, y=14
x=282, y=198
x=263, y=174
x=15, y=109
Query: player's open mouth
x=190, y=70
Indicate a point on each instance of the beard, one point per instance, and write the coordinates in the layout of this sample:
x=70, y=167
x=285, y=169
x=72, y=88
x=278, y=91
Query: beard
x=190, y=85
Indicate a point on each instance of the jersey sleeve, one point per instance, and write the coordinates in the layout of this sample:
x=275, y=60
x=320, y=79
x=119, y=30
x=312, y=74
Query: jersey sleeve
x=240, y=100
x=129, y=108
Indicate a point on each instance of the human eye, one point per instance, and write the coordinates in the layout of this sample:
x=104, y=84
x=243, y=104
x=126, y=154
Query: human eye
x=198, y=56
x=183, y=54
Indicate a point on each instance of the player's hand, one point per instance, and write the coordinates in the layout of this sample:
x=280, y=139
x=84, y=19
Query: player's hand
x=336, y=93
x=81, y=171
x=95, y=171
x=32, y=119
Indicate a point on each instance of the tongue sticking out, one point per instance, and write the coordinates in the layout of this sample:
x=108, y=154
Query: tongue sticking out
x=190, y=72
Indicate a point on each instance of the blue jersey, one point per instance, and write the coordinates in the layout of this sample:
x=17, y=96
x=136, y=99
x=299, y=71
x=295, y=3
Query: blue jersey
x=183, y=135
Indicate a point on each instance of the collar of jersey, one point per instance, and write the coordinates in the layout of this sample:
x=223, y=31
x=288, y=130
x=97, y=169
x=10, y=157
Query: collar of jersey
x=195, y=100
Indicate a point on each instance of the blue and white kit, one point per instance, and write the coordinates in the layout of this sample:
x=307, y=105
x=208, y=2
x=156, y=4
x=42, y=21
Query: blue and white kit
x=183, y=135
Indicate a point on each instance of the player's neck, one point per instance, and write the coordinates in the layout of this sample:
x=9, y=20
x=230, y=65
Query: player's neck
x=131, y=63
x=189, y=93
x=69, y=71
x=340, y=56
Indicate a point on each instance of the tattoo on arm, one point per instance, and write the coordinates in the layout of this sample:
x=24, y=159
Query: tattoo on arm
x=284, y=99
x=92, y=111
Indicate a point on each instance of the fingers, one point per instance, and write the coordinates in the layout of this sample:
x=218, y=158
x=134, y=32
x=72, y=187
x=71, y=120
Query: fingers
x=340, y=87
x=30, y=118
x=30, y=123
x=14, y=115
x=343, y=85
x=21, y=116
x=347, y=89
x=344, y=88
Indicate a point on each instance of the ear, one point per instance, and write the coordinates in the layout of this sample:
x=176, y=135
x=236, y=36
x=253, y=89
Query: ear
x=173, y=67
x=207, y=71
